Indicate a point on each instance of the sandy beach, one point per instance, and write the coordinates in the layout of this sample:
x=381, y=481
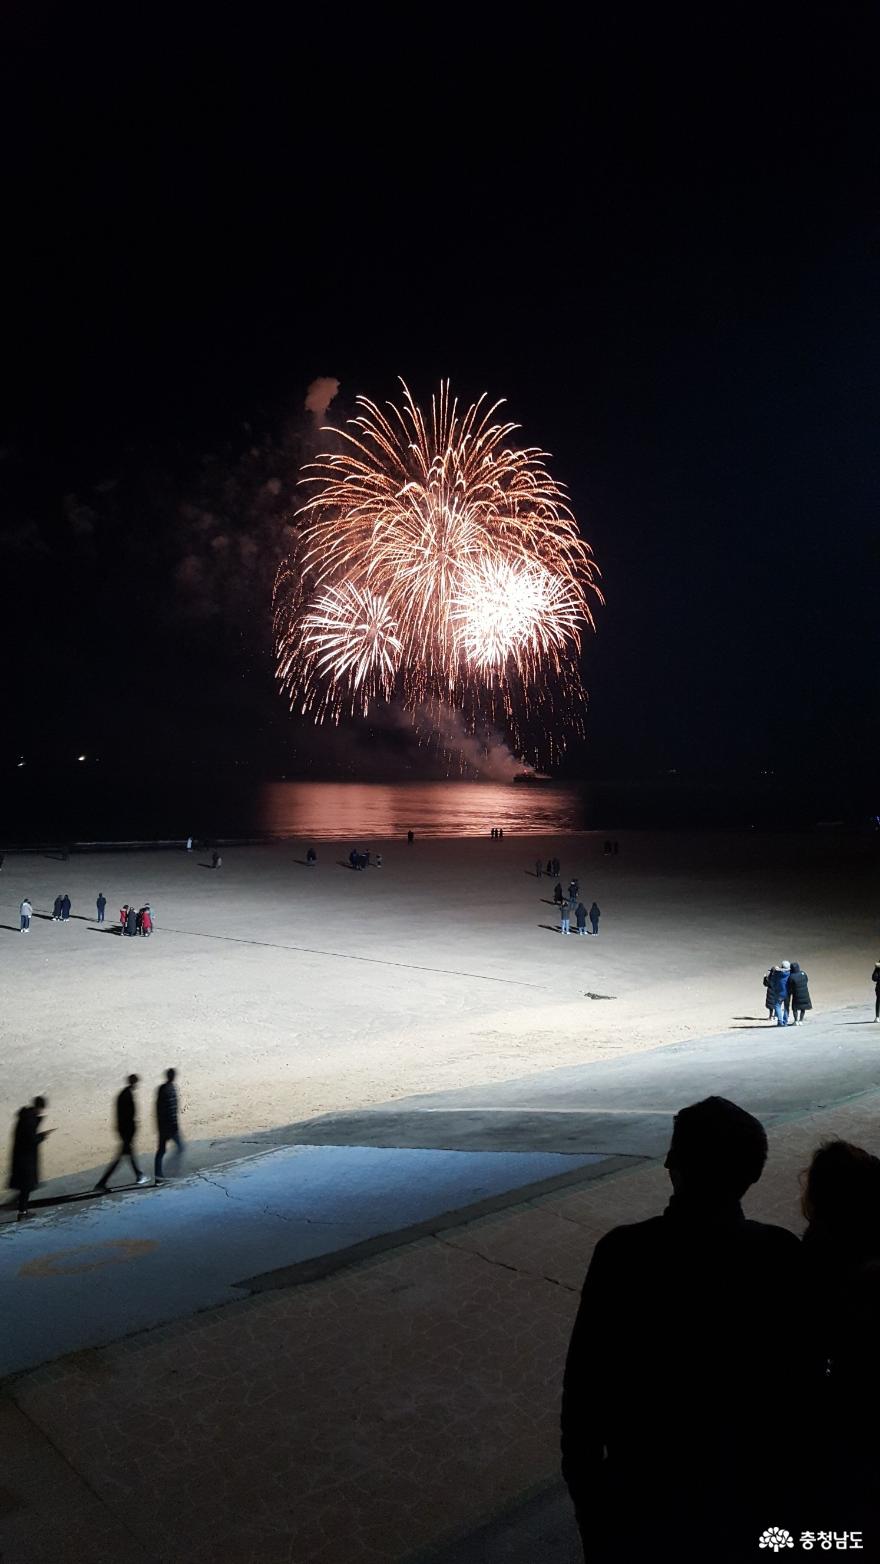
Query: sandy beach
x=281, y=991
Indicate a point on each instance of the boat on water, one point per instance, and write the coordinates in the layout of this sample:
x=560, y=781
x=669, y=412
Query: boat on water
x=532, y=777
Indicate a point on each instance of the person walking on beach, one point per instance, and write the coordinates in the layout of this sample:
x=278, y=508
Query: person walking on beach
x=875, y=979
x=65, y=908
x=56, y=909
x=777, y=988
x=167, y=1122
x=131, y=921
x=595, y=915
x=101, y=905
x=581, y=916
x=798, y=993
x=564, y=911
x=26, y=912
x=719, y=1454
x=24, y=1174
x=126, y=1129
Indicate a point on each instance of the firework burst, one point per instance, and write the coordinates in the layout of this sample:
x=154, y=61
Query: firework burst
x=438, y=563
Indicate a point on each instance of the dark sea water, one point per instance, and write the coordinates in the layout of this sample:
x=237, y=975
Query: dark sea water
x=94, y=804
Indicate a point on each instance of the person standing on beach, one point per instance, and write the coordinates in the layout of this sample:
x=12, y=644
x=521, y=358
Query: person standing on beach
x=216, y=861
x=65, y=908
x=538, y=868
x=24, y=1174
x=131, y=921
x=573, y=889
x=126, y=1129
x=101, y=905
x=564, y=911
x=556, y=867
x=56, y=909
x=595, y=915
x=557, y=894
x=581, y=916
x=777, y=988
x=799, y=993
x=146, y=921
x=167, y=1122
x=875, y=979
x=189, y=844
x=26, y=912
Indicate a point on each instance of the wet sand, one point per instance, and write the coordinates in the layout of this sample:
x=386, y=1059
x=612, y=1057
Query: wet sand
x=281, y=991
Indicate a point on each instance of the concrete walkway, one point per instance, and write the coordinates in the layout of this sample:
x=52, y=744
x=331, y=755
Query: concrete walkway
x=400, y=1409
x=82, y=1275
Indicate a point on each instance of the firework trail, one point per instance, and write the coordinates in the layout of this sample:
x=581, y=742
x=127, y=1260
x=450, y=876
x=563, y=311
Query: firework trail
x=438, y=564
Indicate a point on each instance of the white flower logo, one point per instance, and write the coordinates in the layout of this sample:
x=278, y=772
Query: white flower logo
x=775, y=1538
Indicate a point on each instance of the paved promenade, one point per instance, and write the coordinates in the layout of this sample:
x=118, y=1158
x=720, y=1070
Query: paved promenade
x=400, y=1408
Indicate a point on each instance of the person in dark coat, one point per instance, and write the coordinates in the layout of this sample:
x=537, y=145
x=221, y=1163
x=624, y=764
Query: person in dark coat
x=538, y=868
x=410, y=836
x=167, y=1120
x=557, y=893
x=311, y=856
x=126, y=1128
x=65, y=908
x=799, y=992
x=875, y=979
x=841, y=1202
x=216, y=861
x=685, y=1320
x=131, y=922
x=581, y=917
x=556, y=867
x=101, y=905
x=549, y=870
x=56, y=909
x=24, y=1172
x=777, y=988
x=573, y=889
x=595, y=915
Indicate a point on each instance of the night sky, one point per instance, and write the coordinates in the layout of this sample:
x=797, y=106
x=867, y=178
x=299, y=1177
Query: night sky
x=659, y=246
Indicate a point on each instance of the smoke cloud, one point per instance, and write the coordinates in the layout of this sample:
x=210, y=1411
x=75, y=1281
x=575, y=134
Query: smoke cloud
x=485, y=756
x=319, y=396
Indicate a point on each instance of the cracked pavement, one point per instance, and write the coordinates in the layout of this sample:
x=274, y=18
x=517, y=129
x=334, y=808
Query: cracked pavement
x=83, y=1275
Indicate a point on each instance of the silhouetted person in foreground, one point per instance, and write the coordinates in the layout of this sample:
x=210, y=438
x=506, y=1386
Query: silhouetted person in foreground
x=167, y=1120
x=24, y=1173
x=679, y=1402
x=841, y=1203
x=126, y=1128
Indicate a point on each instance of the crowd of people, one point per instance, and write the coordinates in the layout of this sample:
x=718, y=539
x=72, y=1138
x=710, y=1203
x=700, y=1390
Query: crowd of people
x=722, y=1370
x=28, y=1136
x=132, y=920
